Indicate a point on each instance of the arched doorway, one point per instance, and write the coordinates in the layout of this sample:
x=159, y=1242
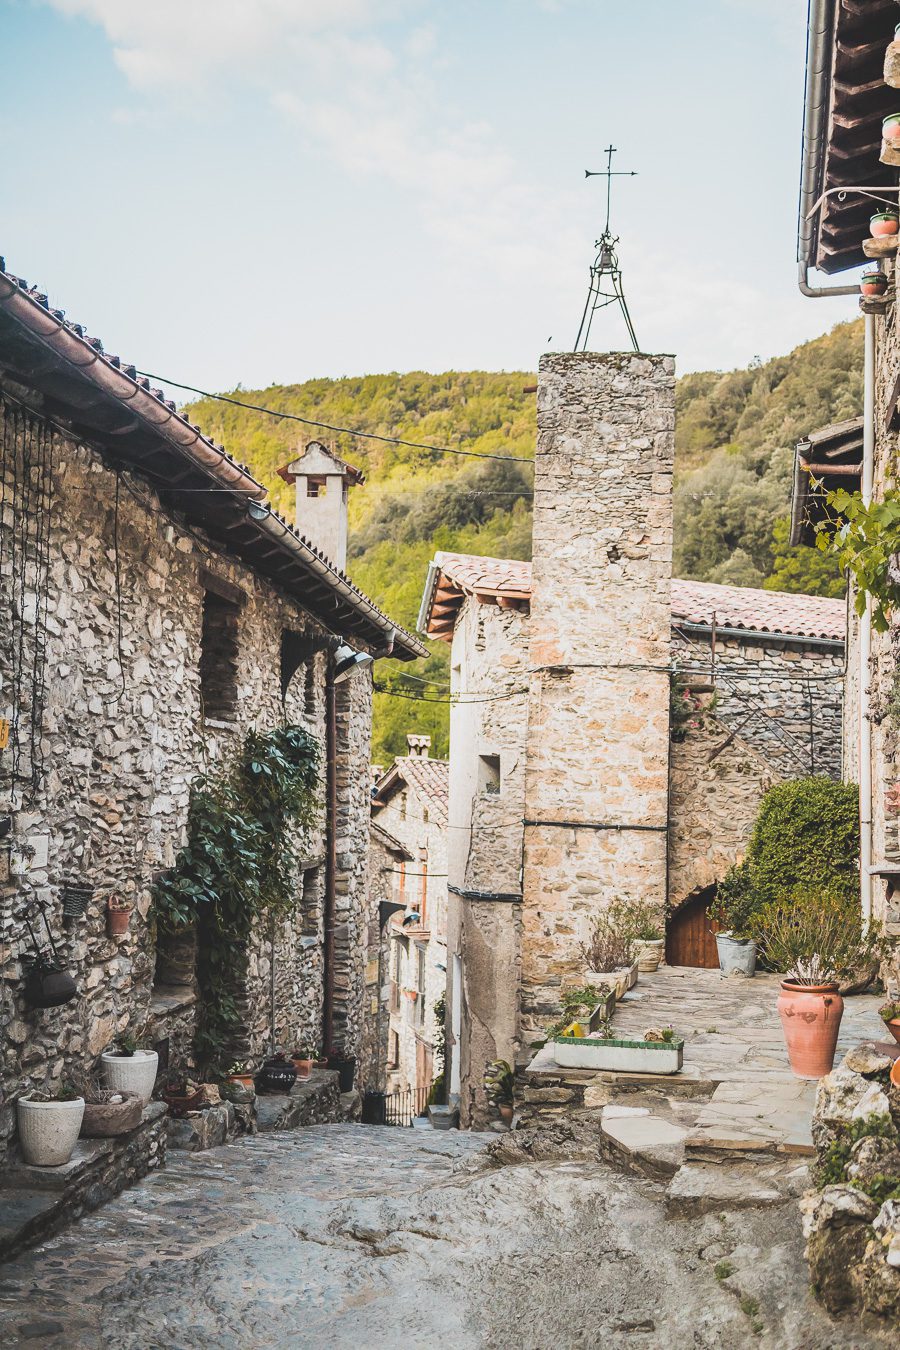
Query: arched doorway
x=690, y=935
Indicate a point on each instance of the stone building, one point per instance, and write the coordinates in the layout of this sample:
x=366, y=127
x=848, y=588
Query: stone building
x=566, y=789
x=388, y=861
x=852, y=84
x=409, y=809
x=154, y=610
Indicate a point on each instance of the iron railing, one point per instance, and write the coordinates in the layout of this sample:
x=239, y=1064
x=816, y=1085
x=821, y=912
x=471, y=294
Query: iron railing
x=400, y=1107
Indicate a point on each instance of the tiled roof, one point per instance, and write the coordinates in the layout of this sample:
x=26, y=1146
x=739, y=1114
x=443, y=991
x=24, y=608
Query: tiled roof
x=429, y=777
x=104, y=400
x=453, y=576
x=812, y=616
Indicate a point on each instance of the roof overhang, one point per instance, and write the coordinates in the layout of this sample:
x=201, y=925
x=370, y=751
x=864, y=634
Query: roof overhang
x=823, y=461
x=51, y=367
x=845, y=102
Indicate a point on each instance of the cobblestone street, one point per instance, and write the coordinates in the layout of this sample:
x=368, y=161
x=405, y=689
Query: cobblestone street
x=348, y=1235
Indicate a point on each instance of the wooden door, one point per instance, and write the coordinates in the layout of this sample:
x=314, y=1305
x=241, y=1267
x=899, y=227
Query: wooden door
x=690, y=940
x=424, y=1066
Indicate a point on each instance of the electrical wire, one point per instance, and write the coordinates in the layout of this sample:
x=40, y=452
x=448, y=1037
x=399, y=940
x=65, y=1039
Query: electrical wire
x=330, y=426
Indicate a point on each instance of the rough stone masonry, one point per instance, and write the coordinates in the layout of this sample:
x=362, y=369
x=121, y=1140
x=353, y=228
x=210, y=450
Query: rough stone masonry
x=596, y=780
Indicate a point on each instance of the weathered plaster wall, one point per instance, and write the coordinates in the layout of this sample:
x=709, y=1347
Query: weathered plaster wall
x=383, y=885
x=598, y=708
x=786, y=697
x=489, y=661
x=121, y=745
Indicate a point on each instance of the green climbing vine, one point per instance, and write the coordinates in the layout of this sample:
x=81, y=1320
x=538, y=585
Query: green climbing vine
x=239, y=863
x=865, y=539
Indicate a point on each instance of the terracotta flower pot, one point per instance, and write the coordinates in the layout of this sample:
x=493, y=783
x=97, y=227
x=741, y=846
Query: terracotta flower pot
x=884, y=223
x=890, y=127
x=244, y=1080
x=103, y=1120
x=893, y=1027
x=506, y=1112
x=811, y=1019
x=303, y=1067
x=873, y=282
x=117, y=921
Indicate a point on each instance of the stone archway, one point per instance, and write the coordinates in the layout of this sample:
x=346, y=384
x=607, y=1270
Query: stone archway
x=690, y=935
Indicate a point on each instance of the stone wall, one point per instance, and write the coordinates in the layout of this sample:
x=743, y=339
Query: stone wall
x=120, y=738
x=383, y=886
x=715, y=787
x=786, y=697
x=598, y=707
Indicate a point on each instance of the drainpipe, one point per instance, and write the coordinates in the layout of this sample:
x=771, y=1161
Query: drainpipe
x=330, y=860
x=865, y=639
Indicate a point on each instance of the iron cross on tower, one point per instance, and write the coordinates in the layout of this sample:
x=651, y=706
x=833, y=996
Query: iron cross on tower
x=606, y=278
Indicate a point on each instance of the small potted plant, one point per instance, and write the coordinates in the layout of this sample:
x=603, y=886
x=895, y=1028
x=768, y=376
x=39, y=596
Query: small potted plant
x=180, y=1094
x=884, y=222
x=241, y=1074
x=49, y=1126
x=130, y=1068
x=644, y=927
x=733, y=910
x=609, y=952
x=118, y=914
x=302, y=1061
x=108, y=1113
x=499, y=1079
x=890, y=1015
x=873, y=282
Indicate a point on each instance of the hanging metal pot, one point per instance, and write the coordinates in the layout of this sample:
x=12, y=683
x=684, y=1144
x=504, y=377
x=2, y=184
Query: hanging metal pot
x=47, y=985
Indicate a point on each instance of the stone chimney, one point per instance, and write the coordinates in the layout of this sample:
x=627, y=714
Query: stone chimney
x=322, y=482
x=418, y=745
x=596, y=778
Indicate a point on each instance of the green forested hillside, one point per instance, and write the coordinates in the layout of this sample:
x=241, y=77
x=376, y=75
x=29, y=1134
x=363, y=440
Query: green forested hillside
x=735, y=434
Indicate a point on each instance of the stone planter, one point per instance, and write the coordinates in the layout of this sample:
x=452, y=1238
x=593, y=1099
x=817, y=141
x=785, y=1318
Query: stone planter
x=649, y=954
x=443, y=1117
x=131, y=1073
x=737, y=956
x=105, y=1120
x=621, y=1056
x=48, y=1131
x=619, y=981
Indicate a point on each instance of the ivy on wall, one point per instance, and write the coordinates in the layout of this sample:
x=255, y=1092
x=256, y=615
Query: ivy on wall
x=238, y=864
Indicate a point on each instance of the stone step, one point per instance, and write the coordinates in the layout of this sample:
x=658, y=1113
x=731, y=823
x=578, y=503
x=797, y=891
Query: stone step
x=315, y=1102
x=643, y=1143
x=706, y=1187
x=25, y=1216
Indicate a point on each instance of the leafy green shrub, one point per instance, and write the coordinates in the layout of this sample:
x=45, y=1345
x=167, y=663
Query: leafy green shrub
x=736, y=903
x=806, y=834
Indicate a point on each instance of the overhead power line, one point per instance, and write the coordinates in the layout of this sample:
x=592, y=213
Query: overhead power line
x=329, y=426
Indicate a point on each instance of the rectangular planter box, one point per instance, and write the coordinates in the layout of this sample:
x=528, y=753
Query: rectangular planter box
x=572, y=1052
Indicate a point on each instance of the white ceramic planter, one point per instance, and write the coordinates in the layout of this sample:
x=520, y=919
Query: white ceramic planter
x=48, y=1131
x=131, y=1073
x=623, y=1056
x=649, y=954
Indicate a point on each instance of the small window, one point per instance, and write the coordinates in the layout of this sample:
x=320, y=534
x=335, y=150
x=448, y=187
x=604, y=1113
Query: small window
x=393, y=1050
x=316, y=487
x=219, y=657
x=489, y=774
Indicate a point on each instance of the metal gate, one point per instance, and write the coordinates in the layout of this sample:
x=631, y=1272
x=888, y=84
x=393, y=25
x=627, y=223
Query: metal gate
x=401, y=1107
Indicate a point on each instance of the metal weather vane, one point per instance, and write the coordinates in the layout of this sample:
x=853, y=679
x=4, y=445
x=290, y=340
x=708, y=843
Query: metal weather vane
x=606, y=276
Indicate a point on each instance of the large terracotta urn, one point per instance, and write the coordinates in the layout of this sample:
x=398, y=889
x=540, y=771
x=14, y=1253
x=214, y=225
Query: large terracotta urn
x=811, y=1019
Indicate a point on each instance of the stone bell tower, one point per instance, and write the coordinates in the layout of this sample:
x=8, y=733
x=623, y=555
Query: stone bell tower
x=596, y=789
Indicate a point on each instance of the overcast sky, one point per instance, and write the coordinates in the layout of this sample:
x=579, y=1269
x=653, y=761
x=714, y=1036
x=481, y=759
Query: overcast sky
x=270, y=190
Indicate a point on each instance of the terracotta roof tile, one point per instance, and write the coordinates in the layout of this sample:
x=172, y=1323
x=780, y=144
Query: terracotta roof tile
x=429, y=777
x=743, y=607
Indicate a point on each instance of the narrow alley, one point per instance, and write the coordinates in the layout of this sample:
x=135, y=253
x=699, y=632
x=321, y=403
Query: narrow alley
x=348, y=1235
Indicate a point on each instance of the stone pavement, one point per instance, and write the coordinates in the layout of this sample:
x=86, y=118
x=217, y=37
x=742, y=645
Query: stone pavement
x=352, y=1235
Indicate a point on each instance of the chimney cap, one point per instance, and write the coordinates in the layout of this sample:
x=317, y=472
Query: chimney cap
x=418, y=745
x=316, y=458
